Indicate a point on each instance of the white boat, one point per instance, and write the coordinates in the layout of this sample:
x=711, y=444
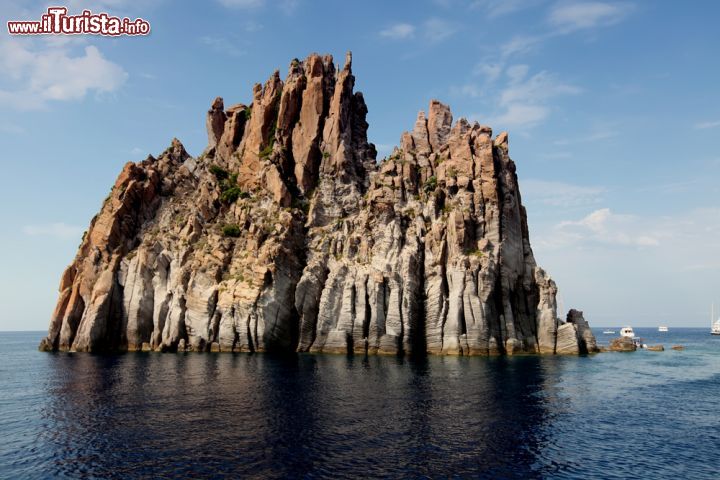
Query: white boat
x=662, y=328
x=714, y=327
x=627, y=332
x=608, y=332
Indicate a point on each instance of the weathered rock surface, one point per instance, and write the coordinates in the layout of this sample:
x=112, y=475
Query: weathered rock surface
x=622, y=344
x=286, y=234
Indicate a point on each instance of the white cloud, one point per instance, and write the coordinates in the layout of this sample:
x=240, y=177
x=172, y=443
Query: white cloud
x=525, y=101
x=518, y=115
x=595, y=136
x=436, y=30
x=537, y=88
x=249, y=4
x=252, y=27
x=627, y=265
x=559, y=194
x=706, y=125
x=37, y=76
x=489, y=71
x=468, y=90
x=566, y=18
x=56, y=230
x=555, y=155
x=223, y=45
x=11, y=128
x=432, y=30
x=569, y=17
x=607, y=228
x=498, y=8
x=399, y=31
x=519, y=44
x=517, y=73
x=289, y=7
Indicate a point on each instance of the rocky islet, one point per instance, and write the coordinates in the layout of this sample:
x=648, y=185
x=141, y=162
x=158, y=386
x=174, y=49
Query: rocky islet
x=286, y=234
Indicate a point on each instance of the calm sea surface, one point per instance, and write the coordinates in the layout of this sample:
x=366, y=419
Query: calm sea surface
x=143, y=415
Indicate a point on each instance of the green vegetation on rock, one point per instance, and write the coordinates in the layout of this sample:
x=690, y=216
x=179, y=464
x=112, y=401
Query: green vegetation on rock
x=231, y=231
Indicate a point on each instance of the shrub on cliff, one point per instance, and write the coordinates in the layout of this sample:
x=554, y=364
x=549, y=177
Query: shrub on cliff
x=231, y=231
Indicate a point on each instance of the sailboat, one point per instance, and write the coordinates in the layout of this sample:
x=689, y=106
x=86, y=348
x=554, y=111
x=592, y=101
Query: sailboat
x=714, y=327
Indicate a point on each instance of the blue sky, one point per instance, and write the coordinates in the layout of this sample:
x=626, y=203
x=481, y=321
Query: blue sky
x=612, y=107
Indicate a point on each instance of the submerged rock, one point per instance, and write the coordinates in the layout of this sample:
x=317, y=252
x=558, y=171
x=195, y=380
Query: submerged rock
x=286, y=234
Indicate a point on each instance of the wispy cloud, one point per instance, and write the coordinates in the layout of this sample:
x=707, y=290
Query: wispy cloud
x=569, y=17
x=398, y=31
x=488, y=71
x=687, y=240
x=498, y=8
x=40, y=74
x=117, y=7
x=223, y=45
x=251, y=26
x=470, y=90
x=594, y=136
x=437, y=30
x=603, y=227
x=706, y=125
x=432, y=30
x=247, y=4
x=560, y=194
x=520, y=44
x=524, y=101
x=565, y=18
x=55, y=230
x=289, y=7
x=518, y=115
x=11, y=128
x=672, y=187
x=555, y=155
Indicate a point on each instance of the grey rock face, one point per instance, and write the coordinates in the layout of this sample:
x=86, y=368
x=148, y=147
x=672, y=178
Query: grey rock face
x=286, y=234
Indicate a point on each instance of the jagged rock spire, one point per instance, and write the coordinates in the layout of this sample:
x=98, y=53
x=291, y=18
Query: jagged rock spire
x=286, y=235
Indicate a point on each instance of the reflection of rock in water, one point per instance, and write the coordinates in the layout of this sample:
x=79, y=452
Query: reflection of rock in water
x=280, y=417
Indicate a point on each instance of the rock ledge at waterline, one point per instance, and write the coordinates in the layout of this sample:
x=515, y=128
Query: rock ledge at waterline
x=286, y=234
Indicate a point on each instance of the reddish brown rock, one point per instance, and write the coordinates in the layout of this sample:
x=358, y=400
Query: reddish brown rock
x=285, y=234
x=215, y=122
x=233, y=130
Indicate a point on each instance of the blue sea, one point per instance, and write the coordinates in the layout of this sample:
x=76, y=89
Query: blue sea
x=145, y=415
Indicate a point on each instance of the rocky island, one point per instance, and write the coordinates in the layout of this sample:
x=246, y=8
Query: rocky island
x=286, y=234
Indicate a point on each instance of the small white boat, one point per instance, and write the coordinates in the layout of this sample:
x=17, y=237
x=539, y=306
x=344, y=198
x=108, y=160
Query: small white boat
x=662, y=328
x=627, y=332
x=714, y=327
x=608, y=332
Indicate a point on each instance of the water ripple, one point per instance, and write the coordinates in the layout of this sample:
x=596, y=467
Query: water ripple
x=259, y=416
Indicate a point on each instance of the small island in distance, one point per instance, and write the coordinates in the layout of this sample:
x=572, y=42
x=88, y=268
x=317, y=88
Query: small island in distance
x=285, y=234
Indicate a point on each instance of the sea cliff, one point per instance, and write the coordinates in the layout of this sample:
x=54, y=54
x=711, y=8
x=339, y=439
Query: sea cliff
x=286, y=234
